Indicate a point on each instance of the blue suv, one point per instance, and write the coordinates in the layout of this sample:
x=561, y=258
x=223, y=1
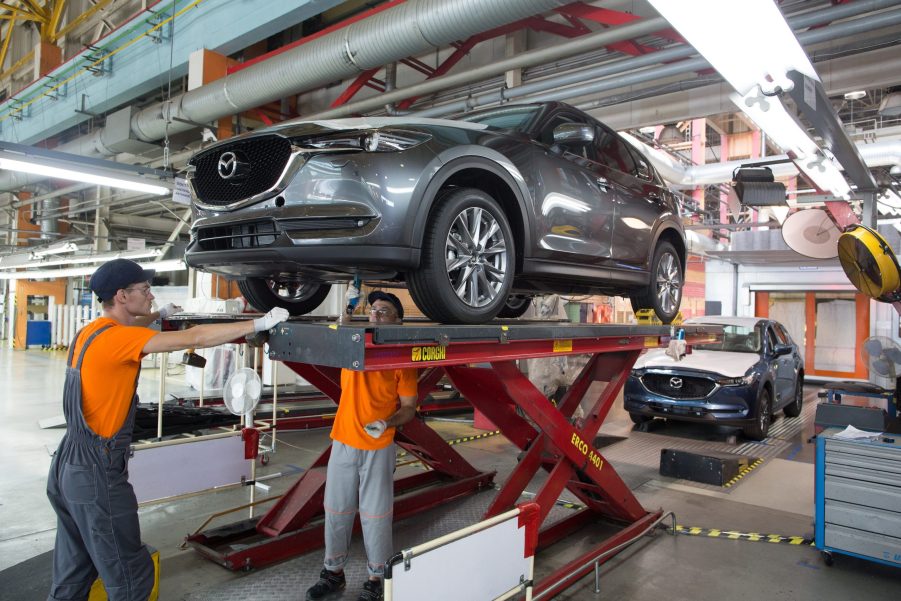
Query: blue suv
x=741, y=381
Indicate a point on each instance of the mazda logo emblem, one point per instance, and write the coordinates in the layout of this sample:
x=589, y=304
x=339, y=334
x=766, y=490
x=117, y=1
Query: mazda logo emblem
x=231, y=166
x=675, y=382
x=228, y=165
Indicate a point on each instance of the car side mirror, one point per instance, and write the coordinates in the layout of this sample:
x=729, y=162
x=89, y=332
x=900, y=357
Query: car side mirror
x=568, y=134
x=782, y=349
x=644, y=172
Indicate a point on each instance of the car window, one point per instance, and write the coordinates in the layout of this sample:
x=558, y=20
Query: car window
x=613, y=152
x=736, y=339
x=643, y=169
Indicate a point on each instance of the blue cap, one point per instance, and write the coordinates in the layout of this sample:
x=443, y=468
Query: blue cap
x=387, y=296
x=117, y=275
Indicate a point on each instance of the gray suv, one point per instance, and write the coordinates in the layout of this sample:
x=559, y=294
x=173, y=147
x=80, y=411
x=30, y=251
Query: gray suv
x=476, y=214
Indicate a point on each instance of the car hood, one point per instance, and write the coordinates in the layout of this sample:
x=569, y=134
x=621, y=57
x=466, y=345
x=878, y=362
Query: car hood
x=730, y=365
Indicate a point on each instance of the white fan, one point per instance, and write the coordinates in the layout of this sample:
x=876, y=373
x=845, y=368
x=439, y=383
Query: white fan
x=811, y=233
x=883, y=358
x=242, y=393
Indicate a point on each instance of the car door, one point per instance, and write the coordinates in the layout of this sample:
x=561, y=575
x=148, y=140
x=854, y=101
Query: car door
x=784, y=366
x=640, y=197
x=574, y=215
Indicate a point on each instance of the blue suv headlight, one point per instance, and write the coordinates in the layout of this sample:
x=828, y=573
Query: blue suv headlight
x=742, y=381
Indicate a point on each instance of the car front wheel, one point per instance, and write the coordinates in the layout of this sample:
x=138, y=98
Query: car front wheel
x=761, y=426
x=664, y=292
x=467, y=262
x=299, y=298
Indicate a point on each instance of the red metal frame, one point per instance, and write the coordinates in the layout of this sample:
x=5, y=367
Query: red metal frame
x=549, y=436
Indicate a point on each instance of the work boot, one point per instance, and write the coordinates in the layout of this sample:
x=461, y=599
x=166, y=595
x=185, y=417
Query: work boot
x=372, y=591
x=328, y=585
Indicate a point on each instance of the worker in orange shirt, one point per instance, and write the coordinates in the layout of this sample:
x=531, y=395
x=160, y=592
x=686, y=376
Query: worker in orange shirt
x=360, y=475
x=97, y=513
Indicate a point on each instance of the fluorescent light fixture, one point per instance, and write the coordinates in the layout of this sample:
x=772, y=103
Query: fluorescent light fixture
x=159, y=267
x=61, y=165
x=771, y=117
x=825, y=174
x=81, y=259
x=79, y=176
x=855, y=95
x=748, y=42
x=55, y=249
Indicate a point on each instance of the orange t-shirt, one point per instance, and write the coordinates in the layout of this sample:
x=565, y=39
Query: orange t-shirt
x=367, y=396
x=108, y=373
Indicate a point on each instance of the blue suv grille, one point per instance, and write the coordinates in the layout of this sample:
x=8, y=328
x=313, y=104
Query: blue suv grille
x=677, y=386
x=262, y=159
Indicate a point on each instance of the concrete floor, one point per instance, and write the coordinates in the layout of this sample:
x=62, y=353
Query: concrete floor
x=775, y=498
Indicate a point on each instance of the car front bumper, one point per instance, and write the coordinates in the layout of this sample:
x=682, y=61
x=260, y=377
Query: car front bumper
x=727, y=405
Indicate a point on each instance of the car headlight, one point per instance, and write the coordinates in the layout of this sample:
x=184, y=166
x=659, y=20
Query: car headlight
x=742, y=381
x=379, y=140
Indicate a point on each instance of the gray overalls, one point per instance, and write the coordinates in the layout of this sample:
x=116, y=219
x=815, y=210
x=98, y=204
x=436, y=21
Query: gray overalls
x=97, y=512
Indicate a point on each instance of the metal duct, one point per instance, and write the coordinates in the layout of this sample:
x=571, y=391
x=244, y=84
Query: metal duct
x=49, y=224
x=413, y=27
x=629, y=73
x=409, y=29
x=876, y=154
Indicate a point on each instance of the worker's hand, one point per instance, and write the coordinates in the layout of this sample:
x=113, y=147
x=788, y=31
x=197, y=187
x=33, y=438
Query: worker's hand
x=271, y=319
x=376, y=428
x=169, y=310
x=351, y=297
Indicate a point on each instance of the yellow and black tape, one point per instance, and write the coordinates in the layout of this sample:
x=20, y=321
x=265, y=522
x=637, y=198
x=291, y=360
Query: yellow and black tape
x=750, y=536
x=461, y=440
x=742, y=473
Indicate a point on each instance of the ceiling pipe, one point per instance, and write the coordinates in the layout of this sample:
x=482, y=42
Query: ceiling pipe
x=587, y=79
x=877, y=154
x=408, y=29
x=413, y=27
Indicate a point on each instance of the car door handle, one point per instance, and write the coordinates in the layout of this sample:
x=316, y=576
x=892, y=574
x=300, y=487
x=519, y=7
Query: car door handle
x=603, y=184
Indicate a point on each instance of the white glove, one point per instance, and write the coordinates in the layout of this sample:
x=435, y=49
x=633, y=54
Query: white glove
x=170, y=310
x=271, y=319
x=351, y=297
x=376, y=428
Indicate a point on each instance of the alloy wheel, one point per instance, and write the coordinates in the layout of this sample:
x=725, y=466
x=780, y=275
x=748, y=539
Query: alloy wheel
x=476, y=256
x=668, y=283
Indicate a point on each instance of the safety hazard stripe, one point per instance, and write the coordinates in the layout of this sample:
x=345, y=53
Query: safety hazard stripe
x=742, y=474
x=751, y=536
x=461, y=440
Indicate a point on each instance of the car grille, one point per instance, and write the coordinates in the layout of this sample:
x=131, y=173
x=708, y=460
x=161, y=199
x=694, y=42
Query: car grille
x=257, y=234
x=266, y=157
x=691, y=388
x=242, y=235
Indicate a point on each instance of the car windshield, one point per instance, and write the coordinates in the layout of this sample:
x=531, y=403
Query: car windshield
x=736, y=339
x=514, y=117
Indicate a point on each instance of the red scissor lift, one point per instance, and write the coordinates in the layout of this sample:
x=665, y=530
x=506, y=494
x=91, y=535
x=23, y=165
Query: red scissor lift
x=550, y=439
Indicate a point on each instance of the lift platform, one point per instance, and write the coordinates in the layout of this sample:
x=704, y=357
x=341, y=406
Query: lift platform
x=480, y=361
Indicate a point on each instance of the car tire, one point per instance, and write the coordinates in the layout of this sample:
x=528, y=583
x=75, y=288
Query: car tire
x=761, y=426
x=299, y=299
x=793, y=409
x=638, y=418
x=443, y=287
x=664, y=292
x=516, y=306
